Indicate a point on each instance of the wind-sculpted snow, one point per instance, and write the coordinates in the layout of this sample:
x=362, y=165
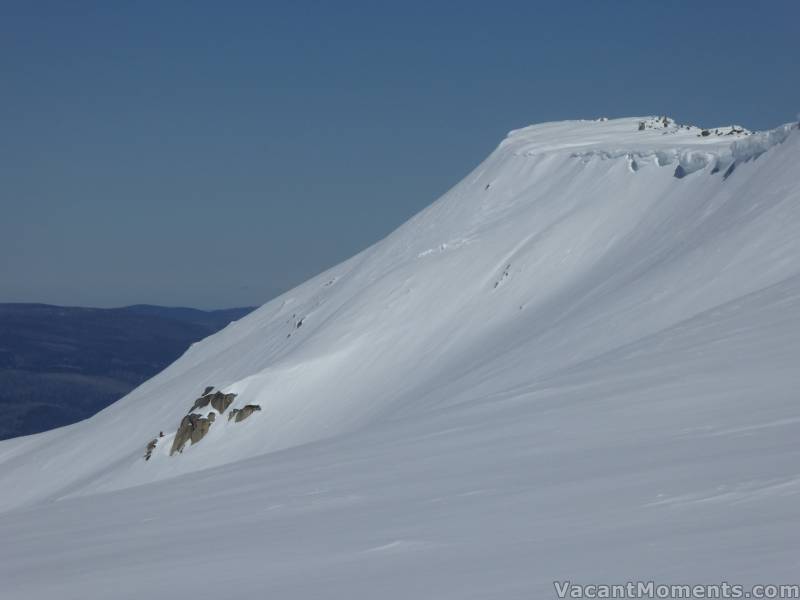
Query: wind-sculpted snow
x=758, y=144
x=579, y=363
x=671, y=144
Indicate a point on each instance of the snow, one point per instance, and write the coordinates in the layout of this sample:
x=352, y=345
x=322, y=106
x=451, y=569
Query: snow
x=567, y=367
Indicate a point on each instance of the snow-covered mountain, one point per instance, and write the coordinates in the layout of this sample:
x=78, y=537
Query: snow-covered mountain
x=580, y=363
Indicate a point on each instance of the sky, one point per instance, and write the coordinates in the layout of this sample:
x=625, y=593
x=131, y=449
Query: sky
x=215, y=154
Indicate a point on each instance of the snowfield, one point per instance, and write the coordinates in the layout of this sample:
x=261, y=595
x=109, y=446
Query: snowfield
x=581, y=363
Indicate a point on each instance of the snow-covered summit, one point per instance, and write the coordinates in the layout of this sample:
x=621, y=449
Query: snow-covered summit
x=649, y=133
x=582, y=359
x=647, y=139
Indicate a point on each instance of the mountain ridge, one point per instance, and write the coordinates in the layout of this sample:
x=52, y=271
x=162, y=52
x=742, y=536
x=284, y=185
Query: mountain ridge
x=562, y=363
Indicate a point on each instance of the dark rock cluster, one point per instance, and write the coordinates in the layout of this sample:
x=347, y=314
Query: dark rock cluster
x=218, y=401
x=239, y=415
x=732, y=130
x=194, y=426
x=656, y=123
x=151, y=445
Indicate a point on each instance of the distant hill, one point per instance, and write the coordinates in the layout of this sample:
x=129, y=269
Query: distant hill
x=59, y=365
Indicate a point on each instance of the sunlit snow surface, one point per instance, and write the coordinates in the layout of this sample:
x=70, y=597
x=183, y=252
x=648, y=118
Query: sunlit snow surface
x=581, y=363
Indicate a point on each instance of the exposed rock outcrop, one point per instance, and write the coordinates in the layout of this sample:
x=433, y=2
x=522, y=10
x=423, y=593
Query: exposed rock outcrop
x=192, y=429
x=240, y=414
x=218, y=401
x=150, y=447
x=194, y=426
x=658, y=123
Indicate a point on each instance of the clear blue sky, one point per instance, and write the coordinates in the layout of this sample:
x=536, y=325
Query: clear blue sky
x=214, y=154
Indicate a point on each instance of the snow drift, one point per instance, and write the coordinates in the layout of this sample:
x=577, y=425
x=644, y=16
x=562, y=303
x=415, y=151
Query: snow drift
x=580, y=362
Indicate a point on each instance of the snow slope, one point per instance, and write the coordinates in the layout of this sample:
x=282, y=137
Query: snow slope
x=580, y=362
